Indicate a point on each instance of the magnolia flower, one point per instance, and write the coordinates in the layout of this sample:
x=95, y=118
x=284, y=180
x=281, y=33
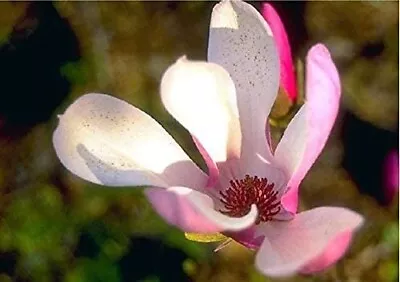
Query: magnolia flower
x=224, y=104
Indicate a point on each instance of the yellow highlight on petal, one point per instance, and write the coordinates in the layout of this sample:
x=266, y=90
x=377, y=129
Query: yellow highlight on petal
x=205, y=238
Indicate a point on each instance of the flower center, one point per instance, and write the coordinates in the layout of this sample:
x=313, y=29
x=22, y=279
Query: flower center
x=241, y=194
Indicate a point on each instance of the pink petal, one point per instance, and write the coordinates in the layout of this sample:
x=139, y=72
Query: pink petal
x=391, y=175
x=290, y=246
x=288, y=78
x=193, y=211
x=201, y=96
x=247, y=238
x=107, y=141
x=321, y=107
x=241, y=41
x=213, y=172
x=333, y=252
x=238, y=169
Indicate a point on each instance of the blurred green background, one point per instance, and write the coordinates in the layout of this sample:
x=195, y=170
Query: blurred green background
x=56, y=227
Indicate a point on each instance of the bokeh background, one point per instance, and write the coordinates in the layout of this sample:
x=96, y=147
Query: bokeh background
x=55, y=227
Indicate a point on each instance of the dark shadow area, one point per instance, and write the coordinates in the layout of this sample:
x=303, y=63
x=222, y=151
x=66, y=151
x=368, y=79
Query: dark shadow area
x=373, y=49
x=292, y=15
x=365, y=149
x=149, y=256
x=145, y=257
x=91, y=239
x=8, y=261
x=30, y=60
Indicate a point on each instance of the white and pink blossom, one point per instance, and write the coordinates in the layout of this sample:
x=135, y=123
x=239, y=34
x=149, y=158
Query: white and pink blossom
x=250, y=192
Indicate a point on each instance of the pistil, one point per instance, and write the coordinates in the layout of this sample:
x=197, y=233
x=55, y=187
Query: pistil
x=243, y=193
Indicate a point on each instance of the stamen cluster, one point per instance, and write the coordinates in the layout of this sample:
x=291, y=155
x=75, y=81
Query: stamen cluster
x=241, y=194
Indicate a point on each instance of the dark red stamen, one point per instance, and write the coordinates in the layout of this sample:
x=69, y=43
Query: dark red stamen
x=239, y=197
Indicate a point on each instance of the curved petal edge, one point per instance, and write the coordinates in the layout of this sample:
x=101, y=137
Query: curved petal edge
x=194, y=212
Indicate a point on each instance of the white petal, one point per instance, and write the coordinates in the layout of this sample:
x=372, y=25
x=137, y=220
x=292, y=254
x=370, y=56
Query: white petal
x=290, y=150
x=201, y=96
x=107, y=141
x=241, y=41
x=193, y=211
